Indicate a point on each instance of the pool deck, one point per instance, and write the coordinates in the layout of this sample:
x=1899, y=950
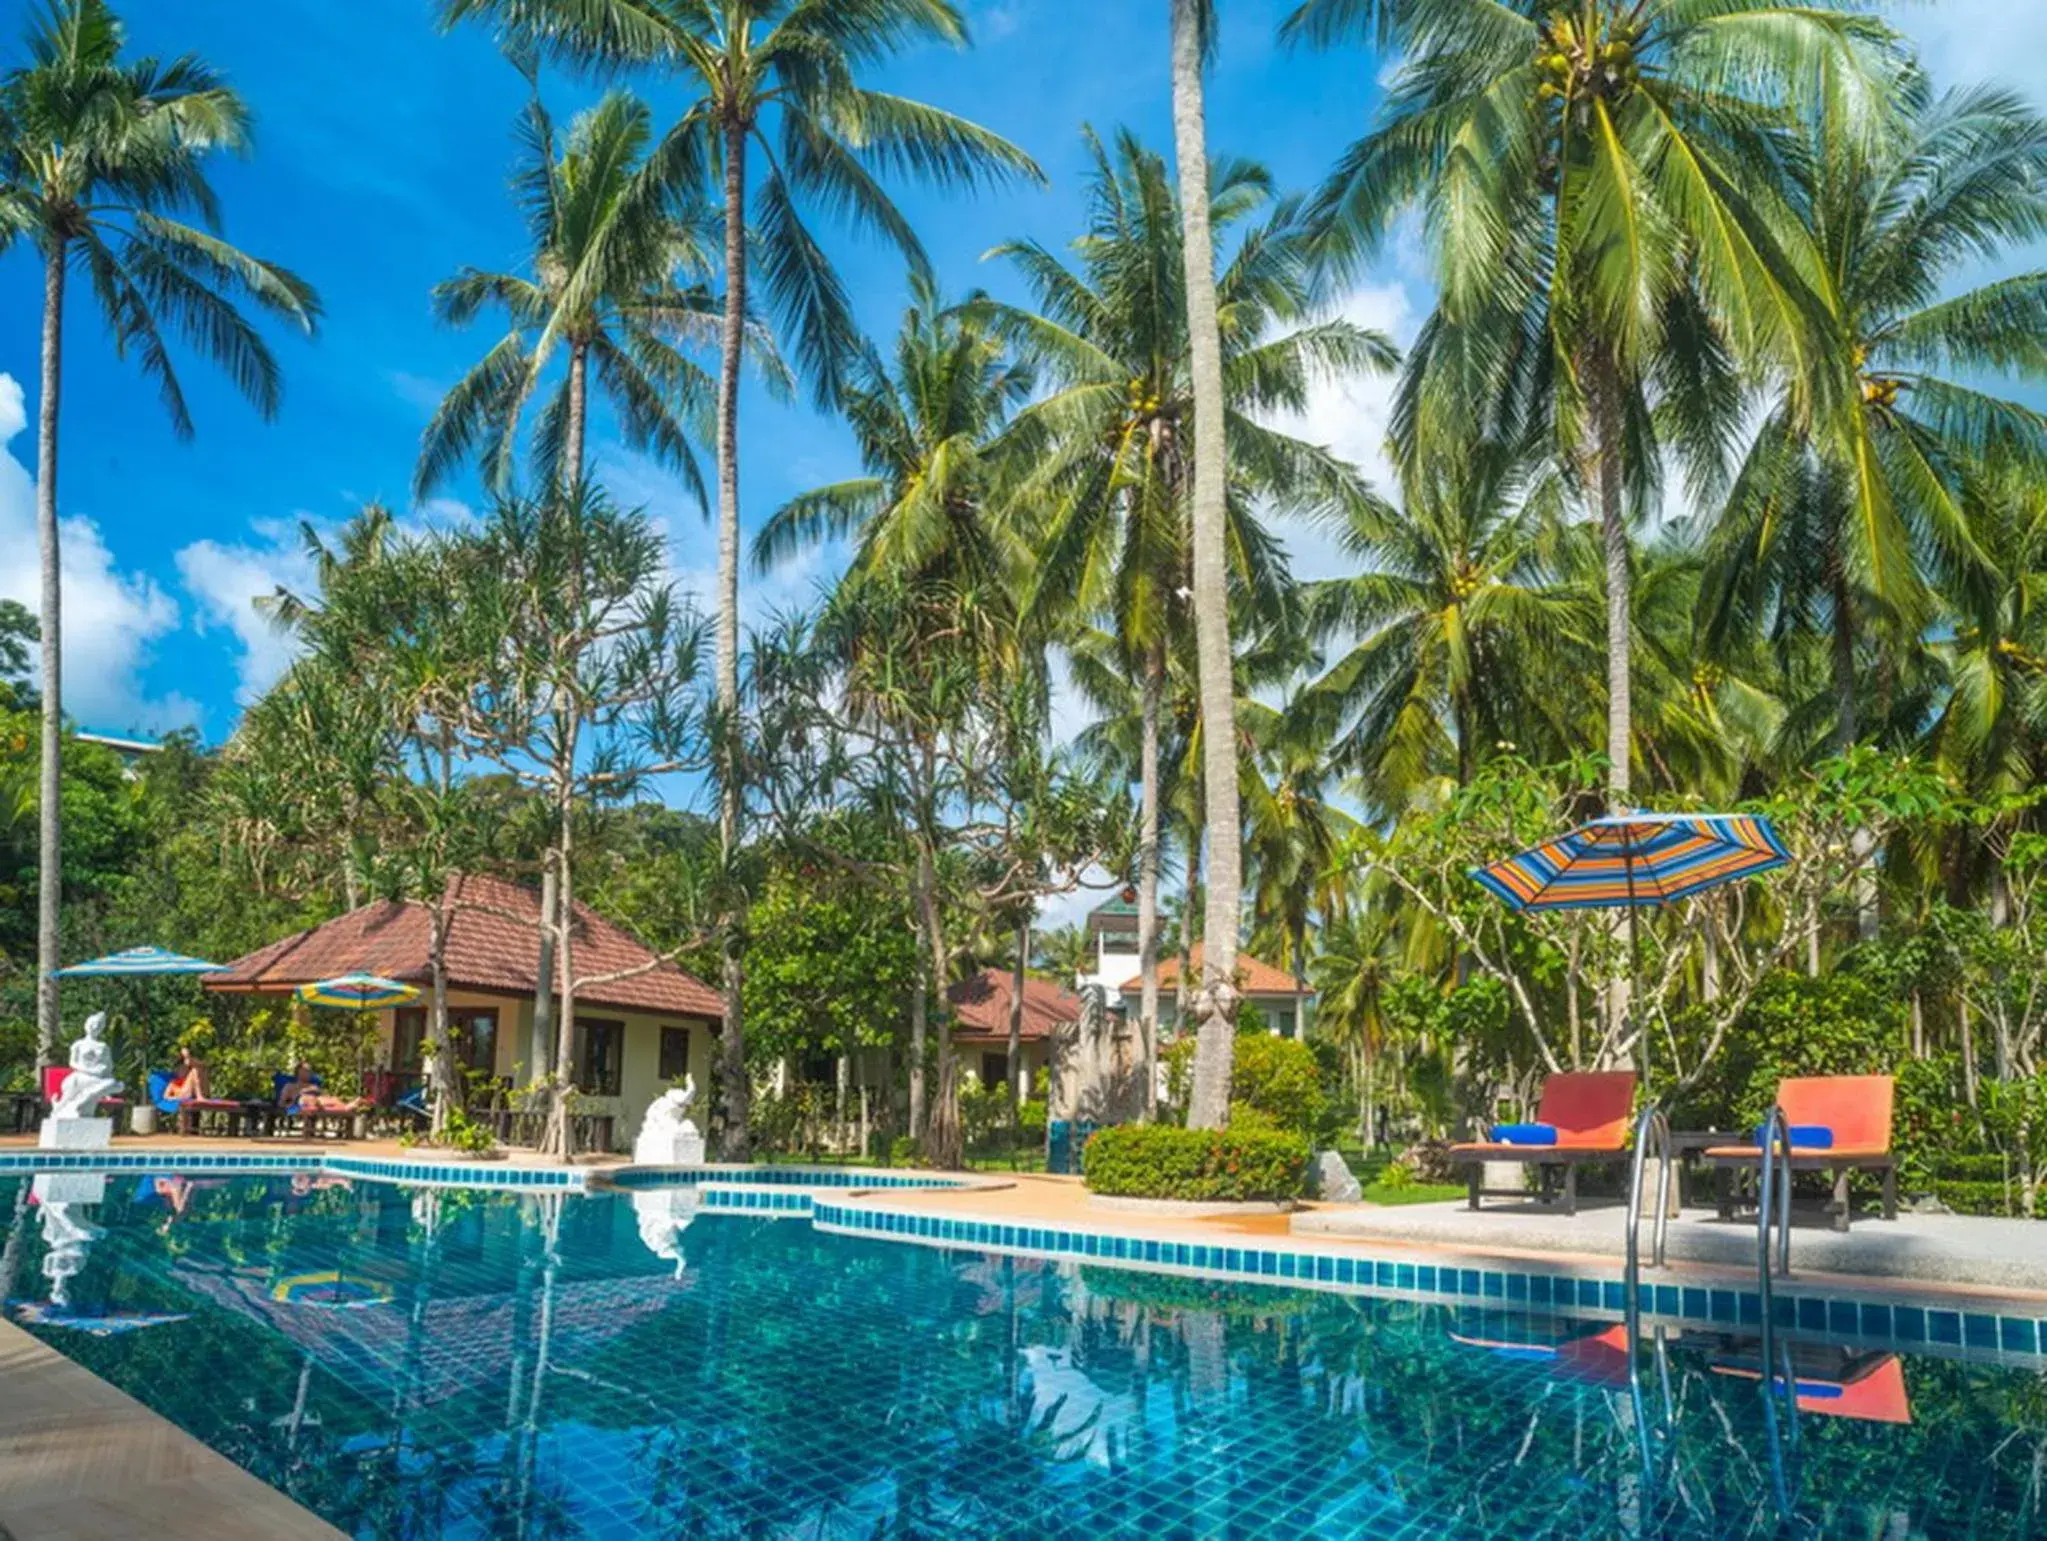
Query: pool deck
x=81, y=1461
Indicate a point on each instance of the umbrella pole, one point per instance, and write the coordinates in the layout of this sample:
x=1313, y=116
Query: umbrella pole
x=1634, y=1016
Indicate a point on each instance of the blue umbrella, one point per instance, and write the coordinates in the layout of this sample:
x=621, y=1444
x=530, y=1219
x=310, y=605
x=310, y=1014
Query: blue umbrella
x=136, y=962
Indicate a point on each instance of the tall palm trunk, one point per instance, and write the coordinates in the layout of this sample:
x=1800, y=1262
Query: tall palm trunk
x=1847, y=730
x=1604, y=389
x=733, y=1144
x=49, y=826
x=559, y=1139
x=1215, y=1006
x=1018, y=1081
x=944, y=1145
x=1613, y=531
x=550, y=877
x=1148, y=872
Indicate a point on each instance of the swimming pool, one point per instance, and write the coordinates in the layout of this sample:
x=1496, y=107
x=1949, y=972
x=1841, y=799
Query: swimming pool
x=415, y=1362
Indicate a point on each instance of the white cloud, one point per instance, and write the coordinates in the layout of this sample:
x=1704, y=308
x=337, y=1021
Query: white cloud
x=1351, y=417
x=228, y=578
x=111, y=618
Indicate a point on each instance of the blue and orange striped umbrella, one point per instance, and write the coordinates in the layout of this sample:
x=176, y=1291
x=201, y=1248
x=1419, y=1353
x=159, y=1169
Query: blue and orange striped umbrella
x=1631, y=860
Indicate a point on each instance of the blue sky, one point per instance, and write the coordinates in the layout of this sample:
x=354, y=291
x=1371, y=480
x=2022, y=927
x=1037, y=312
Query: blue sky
x=380, y=168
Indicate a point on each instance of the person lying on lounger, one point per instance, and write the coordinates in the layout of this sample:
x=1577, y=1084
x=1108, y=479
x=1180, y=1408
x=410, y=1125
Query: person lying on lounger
x=302, y=1094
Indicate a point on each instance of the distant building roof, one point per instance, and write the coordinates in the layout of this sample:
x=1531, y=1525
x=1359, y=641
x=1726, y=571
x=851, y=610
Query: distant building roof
x=1117, y=915
x=980, y=1007
x=120, y=743
x=1253, y=977
x=493, y=946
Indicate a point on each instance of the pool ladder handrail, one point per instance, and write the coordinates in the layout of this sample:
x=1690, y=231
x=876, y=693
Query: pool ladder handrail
x=1773, y=1201
x=1652, y=1133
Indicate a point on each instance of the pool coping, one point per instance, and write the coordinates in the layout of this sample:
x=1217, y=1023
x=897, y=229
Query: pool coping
x=1918, y=1316
x=81, y=1457
x=2003, y=1328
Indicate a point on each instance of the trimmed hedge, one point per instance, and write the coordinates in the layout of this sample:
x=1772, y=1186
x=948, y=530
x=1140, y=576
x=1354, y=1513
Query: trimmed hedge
x=1164, y=1161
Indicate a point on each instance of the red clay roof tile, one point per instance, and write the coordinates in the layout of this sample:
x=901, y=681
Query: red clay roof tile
x=493, y=945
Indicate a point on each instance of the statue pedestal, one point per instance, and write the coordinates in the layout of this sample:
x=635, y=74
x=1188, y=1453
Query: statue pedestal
x=661, y=1145
x=76, y=1134
x=70, y=1188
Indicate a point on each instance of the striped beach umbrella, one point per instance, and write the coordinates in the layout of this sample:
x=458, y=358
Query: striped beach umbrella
x=137, y=963
x=331, y=1290
x=1636, y=859
x=357, y=992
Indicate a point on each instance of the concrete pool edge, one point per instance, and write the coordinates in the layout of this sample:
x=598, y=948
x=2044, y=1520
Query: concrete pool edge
x=2004, y=1327
x=79, y=1456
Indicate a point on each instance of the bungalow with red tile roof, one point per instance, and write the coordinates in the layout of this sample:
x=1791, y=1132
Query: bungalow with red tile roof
x=635, y=1034
x=1275, y=995
x=980, y=1014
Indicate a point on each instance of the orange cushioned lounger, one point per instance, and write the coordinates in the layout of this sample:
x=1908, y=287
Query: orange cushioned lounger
x=1588, y=1109
x=1857, y=1108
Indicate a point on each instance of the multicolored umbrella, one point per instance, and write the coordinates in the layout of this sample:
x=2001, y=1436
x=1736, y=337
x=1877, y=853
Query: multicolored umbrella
x=1636, y=859
x=41, y=1314
x=137, y=962
x=357, y=992
x=330, y=1290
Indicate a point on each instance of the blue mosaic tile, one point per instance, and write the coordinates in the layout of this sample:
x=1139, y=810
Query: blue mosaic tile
x=1978, y=1330
x=1944, y=1327
x=1909, y=1323
x=1812, y=1313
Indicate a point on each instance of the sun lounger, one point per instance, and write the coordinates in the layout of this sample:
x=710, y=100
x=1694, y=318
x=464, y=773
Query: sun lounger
x=1835, y=1382
x=339, y=1120
x=190, y=1112
x=1588, y=1112
x=1853, y=1112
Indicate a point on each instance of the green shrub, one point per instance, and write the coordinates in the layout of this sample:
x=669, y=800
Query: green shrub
x=1983, y=1198
x=905, y=1150
x=1030, y=1118
x=1164, y=1161
x=1278, y=1077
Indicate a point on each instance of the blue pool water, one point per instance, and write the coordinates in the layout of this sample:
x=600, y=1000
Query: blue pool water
x=411, y=1363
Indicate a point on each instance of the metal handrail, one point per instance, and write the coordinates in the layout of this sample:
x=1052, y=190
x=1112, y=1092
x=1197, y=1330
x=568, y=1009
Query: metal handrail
x=1773, y=1200
x=1652, y=1129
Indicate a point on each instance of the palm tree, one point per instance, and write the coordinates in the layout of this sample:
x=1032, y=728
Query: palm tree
x=610, y=248
x=926, y=547
x=795, y=65
x=99, y=156
x=1215, y=1005
x=1845, y=521
x=1466, y=608
x=1106, y=471
x=1603, y=189
x=1293, y=831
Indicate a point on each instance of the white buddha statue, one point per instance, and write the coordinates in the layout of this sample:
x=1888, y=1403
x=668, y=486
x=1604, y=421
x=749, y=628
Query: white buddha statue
x=92, y=1073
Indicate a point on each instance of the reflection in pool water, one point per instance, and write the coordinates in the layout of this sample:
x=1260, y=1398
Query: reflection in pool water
x=420, y=1363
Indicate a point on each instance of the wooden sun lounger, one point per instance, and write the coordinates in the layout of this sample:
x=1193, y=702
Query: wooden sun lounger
x=1589, y=1110
x=1857, y=1108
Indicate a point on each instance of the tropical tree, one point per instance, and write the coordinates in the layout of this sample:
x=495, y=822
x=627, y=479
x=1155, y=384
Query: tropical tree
x=1214, y=1006
x=749, y=67
x=1469, y=604
x=1610, y=225
x=102, y=161
x=1105, y=469
x=613, y=245
x=1846, y=522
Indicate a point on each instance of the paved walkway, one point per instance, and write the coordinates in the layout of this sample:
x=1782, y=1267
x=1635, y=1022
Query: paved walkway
x=2004, y=1255
x=81, y=1461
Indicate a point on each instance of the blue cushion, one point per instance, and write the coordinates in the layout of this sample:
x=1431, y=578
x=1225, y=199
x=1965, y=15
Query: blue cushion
x=1806, y=1136
x=1524, y=1134
x=159, y=1083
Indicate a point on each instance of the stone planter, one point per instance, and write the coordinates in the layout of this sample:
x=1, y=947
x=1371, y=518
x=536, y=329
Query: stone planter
x=142, y=1118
